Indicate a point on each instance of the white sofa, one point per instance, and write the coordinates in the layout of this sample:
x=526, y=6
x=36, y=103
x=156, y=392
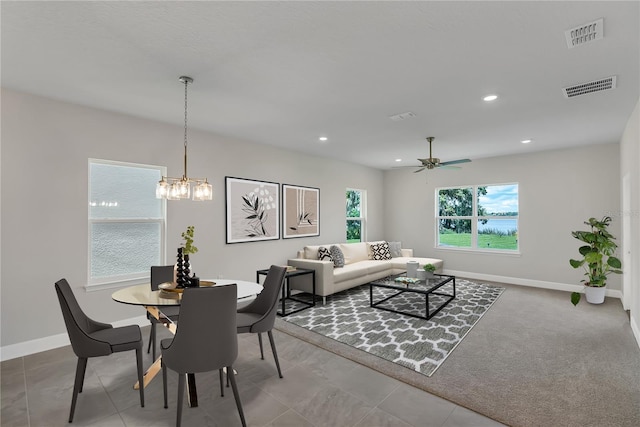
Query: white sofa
x=359, y=267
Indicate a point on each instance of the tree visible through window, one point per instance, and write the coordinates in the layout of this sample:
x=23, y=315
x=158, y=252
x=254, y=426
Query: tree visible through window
x=478, y=217
x=126, y=221
x=355, y=215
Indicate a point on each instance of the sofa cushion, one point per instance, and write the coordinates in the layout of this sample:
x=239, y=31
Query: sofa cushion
x=324, y=254
x=380, y=252
x=369, y=244
x=373, y=267
x=337, y=256
x=311, y=252
x=395, y=248
x=349, y=271
x=354, y=252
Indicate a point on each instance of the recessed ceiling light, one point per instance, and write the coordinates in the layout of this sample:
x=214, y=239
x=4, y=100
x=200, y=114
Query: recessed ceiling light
x=398, y=160
x=489, y=98
x=323, y=138
x=525, y=141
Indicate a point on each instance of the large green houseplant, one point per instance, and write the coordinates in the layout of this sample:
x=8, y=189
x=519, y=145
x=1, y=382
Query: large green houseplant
x=598, y=255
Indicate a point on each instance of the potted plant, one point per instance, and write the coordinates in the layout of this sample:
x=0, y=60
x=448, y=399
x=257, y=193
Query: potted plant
x=598, y=259
x=428, y=271
x=188, y=247
x=183, y=271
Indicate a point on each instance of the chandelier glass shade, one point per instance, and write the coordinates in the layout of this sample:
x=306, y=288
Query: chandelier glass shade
x=180, y=188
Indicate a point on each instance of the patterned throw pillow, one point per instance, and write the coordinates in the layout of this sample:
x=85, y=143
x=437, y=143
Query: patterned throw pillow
x=324, y=254
x=380, y=251
x=395, y=248
x=337, y=255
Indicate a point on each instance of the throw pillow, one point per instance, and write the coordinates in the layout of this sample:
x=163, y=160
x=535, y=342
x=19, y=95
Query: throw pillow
x=337, y=255
x=395, y=248
x=380, y=251
x=324, y=254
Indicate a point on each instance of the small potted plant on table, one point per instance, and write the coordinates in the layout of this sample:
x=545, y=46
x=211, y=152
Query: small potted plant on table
x=427, y=272
x=598, y=259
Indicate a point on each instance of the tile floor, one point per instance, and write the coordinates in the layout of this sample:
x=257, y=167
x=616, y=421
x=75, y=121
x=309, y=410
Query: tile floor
x=319, y=388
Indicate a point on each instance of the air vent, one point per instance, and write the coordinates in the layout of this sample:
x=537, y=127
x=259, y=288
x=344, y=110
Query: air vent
x=594, y=86
x=402, y=116
x=585, y=33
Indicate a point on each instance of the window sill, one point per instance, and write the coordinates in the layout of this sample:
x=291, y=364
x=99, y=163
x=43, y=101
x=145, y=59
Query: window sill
x=115, y=284
x=480, y=251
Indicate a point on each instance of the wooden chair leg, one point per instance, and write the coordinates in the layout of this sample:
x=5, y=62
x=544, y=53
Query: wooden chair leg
x=181, y=387
x=221, y=383
x=260, y=341
x=77, y=385
x=164, y=384
x=151, y=333
x=275, y=353
x=154, y=331
x=140, y=374
x=236, y=395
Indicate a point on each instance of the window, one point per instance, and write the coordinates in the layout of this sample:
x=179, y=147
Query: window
x=356, y=214
x=126, y=221
x=478, y=217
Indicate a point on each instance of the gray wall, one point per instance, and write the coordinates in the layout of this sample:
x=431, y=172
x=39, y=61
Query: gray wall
x=46, y=144
x=44, y=237
x=558, y=190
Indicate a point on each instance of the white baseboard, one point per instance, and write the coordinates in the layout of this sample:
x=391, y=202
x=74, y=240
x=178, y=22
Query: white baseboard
x=48, y=343
x=528, y=282
x=26, y=348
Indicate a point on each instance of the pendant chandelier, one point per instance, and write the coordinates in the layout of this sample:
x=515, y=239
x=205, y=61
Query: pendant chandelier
x=180, y=188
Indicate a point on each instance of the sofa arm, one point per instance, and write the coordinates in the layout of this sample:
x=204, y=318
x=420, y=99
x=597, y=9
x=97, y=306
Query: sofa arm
x=324, y=275
x=407, y=252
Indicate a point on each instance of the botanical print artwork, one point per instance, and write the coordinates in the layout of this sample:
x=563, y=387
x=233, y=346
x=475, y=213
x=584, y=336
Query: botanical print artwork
x=301, y=211
x=252, y=210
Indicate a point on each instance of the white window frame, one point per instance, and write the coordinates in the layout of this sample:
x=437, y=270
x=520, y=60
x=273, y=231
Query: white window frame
x=474, y=221
x=363, y=214
x=124, y=279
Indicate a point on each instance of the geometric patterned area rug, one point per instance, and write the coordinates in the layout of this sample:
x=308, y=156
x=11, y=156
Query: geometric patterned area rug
x=418, y=344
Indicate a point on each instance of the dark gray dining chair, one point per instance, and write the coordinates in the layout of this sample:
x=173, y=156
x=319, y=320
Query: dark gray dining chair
x=198, y=347
x=91, y=339
x=160, y=274
x=260, y=314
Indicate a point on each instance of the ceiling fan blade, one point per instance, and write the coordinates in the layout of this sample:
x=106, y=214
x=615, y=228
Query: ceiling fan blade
x=448, y=167
x=455, y=162
x=419, y=170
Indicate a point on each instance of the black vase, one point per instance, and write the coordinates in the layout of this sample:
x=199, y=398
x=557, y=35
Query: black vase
x=186, y=270
x=181, y=278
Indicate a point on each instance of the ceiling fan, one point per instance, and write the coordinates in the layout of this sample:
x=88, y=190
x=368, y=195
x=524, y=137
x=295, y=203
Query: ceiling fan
x=433, y=162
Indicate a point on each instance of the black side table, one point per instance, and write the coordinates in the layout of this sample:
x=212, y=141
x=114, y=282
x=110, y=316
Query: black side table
x=286, y=290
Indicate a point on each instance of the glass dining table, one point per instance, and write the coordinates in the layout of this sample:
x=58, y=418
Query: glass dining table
x=154, y=301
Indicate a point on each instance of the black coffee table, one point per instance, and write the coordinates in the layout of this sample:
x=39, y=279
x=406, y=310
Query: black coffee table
x=441, y=288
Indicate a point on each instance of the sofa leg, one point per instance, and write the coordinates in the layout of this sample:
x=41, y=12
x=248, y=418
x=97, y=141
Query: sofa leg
x=324, y=300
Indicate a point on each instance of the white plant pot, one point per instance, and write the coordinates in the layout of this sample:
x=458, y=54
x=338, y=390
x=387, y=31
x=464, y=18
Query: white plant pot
x=412, y=269
x=422, y=274
x=595, y=295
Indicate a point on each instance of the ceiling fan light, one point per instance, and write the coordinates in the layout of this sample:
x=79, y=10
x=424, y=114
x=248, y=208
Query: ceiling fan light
x=490, y=98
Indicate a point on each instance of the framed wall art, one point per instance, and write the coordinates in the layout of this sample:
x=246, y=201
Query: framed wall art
x=300, y=211
x=252, y=210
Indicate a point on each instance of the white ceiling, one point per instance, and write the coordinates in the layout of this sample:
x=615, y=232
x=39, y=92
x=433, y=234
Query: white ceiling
x=285, y=73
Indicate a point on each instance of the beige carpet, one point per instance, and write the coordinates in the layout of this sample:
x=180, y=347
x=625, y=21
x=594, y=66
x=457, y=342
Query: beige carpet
x=532, y=360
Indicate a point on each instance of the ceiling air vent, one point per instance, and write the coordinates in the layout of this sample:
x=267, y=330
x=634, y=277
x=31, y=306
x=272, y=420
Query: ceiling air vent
x=402, y=116
x=594, y=86
x=585, y=33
